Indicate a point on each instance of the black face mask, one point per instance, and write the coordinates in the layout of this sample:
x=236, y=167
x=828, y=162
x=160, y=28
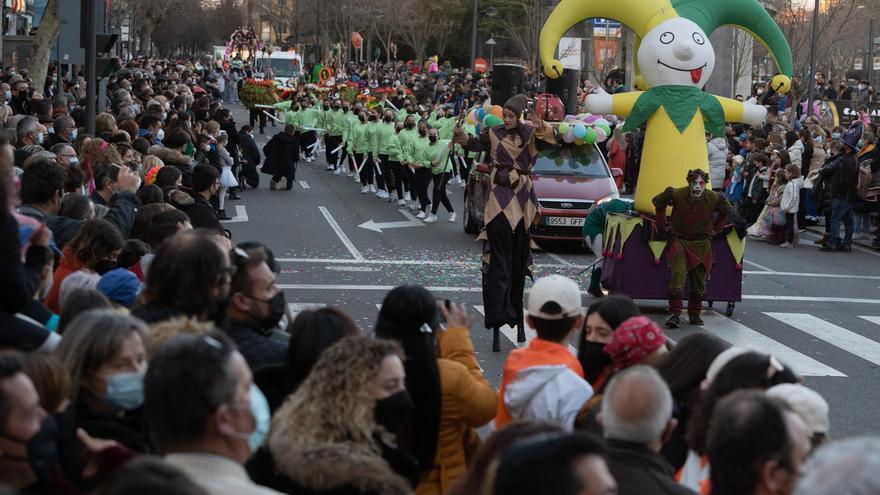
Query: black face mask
x=388, y=118
x=423, y=132
x=449, y=115
x=594, y=360
x=276, y=311
x=433, y=139
x=105, y=266
x=393, y=412
x=409, y=125
x=42, y=449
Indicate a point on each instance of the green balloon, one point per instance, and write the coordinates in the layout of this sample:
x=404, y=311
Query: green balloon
x=606, y=128
x=563, y=128
x=591, y=136
x=492, y=121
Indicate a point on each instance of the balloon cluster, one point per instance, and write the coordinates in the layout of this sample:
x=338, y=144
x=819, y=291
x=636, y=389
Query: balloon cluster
x=584, y=128
x=486, y=116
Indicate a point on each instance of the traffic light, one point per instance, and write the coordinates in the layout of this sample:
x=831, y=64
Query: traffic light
x=104, y=65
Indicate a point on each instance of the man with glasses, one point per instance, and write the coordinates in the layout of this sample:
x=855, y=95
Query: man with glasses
x=63, y=131
x=65, y=155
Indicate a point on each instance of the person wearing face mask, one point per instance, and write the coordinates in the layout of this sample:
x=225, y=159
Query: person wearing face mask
x=359, y=148
x=379, y=166
x=450, y=395
x=105, y=353
x=20, y=101
x=64, y=131
x=388, y=151
x=603, y=317
x=205, y=412
x=256, y=307
x=406, y=139
x=28, y=456
x=439, y=162
x=338, y=432
x=420, y=162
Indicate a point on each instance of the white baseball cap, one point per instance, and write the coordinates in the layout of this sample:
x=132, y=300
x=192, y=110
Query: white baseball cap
x=556, y=289
x=806, y=403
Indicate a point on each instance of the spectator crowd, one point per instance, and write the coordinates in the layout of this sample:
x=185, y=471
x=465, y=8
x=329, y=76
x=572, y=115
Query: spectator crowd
x=145, y=351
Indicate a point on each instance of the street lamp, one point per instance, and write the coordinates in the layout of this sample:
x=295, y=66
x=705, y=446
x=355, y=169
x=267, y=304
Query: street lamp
x=491, y=44
x=812, y=80
x=490, y=11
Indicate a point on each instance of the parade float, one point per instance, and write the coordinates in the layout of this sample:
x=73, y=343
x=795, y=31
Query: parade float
x=674, y=59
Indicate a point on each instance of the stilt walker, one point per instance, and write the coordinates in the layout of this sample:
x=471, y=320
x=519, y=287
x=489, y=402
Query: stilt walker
x=511, y=209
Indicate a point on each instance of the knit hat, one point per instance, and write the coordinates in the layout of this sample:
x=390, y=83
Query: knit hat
x=120, y=286
x=806, y=403
x=853, y=135
x=634, y=340
x=517, y=103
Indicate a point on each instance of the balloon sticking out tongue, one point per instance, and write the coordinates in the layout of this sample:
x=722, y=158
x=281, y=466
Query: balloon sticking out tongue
x=696, y=74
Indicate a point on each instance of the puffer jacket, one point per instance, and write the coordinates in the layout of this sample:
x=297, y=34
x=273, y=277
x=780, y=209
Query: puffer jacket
x=717, y=148
x=468, y=401
x=796, y=152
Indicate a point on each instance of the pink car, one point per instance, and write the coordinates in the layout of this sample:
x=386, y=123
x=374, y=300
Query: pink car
x=568, y=180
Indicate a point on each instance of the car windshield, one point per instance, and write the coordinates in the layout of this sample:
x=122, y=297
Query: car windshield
x=282, y=67
x=571, y=160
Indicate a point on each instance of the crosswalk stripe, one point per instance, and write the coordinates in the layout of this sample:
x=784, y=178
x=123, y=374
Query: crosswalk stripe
x=510, y=333
x=297, y=308
x=304, y=184
x=738, y=334
x=872, y=319
x=837, y=336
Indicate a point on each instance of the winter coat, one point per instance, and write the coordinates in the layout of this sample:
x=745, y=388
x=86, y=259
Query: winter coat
x=249, y=151
x=282, y=154
x=822, y=187
x=717, y=148
x=796, y=152
x=844, y=175
x=200, y=212
x=175, y=159
x=69, y=264
x=818, y=158
x=791, y=195
x=255, y=344
x=468, y=402
x=639, y=470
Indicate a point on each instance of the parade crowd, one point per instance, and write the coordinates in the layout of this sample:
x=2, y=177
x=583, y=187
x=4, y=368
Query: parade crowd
x=148, y=351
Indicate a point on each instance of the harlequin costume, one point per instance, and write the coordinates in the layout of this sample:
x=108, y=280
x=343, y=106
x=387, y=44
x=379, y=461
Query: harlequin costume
x=511, y=209
x=690, y=244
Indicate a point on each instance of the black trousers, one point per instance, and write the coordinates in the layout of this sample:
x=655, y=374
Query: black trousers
x=397, y=178
x=385, y=180
x=440, y=181
x=307, y=139
x=421, y=184
x=504, y=279
x=802, y=209
x=409, y=180
x=366, y=171
x=332, y=142
x=257, y=114
x=289, y=174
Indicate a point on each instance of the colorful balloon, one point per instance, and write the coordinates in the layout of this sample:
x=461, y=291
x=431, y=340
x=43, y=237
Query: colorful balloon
x=605, y=128
x=481, y=114
x=600, y=134
x=590, y=136
x=568, y=137
x=563, y=128
x=492, y=121
x=580, y=131
x=496, y=110
x=590, y=118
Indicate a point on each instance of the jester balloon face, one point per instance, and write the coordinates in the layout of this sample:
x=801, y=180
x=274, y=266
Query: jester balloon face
x=676, y=52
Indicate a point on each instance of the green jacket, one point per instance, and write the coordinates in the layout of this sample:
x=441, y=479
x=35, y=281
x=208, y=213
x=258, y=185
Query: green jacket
x=346, y=121
x=309, y=117
x=392, y=147
x=358, y=139
x=383, y=135
x=407, y=138
x=372, y=138
x=422, y=152
x=439, y=151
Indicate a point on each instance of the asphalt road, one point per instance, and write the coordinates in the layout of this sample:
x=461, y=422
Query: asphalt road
x=817, y=312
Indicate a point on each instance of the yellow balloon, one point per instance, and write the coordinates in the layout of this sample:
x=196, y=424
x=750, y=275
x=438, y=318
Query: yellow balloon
x=780, y=83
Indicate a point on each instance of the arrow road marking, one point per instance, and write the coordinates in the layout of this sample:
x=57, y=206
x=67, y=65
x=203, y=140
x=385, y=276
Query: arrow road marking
x=240, y=215
x=411, y=221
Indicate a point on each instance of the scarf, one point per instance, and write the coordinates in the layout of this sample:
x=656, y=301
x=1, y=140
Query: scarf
x=681, y=104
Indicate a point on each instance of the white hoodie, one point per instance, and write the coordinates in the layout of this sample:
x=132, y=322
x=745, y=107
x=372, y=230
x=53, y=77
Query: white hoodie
x=550, y=393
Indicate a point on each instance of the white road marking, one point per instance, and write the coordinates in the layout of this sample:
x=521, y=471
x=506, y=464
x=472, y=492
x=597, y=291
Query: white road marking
x=559, y=259
x=510, y=332
x=816, y=275
x=410, y=262
x=762, y=267
x=835, y=335
x=813, y=299
x=339, y=233
x=240, y=215
x=738, y=334
x=854, y=246
x=411, y=221
x=872, y=319
x=304, y=184
x=297, y=308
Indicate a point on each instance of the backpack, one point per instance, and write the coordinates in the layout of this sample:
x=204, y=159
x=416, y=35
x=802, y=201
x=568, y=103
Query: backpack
x=865, y=177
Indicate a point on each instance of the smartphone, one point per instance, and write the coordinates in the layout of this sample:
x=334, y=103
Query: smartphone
x=114, y=172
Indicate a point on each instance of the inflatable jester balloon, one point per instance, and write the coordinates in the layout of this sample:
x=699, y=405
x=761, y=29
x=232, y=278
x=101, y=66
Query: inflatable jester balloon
x=674, y=59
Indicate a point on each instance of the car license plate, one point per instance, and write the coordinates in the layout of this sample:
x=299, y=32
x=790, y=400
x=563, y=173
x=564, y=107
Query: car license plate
x=564, y=221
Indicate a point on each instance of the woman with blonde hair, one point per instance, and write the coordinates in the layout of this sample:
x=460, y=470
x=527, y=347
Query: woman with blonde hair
x=152, y=164
x=105, y=122
x=332, y=435
x=94, y=153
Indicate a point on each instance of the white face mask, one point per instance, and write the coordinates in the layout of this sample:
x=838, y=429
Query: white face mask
x=40, y=137
x=161, y=134
x=73, y=160
x=73, y=134
x=137, y=184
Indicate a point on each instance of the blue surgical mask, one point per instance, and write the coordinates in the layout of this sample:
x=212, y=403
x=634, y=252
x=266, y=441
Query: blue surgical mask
x=835, y=135
x=8, y=95
x=40, y=137
x=126, y=390
x=259, y=408
x=73, y=134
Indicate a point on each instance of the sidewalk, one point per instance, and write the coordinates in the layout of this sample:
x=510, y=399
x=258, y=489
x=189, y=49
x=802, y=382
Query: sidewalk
x=820, y=229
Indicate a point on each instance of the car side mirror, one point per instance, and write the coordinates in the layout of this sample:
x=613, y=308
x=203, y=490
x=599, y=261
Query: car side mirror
x=616, y=172
x=483, y=168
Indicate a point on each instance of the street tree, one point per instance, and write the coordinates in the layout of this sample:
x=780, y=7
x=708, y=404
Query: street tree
x=43, y=42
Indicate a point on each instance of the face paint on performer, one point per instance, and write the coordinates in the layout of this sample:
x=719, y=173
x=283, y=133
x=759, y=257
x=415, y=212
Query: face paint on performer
x=698, y=186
